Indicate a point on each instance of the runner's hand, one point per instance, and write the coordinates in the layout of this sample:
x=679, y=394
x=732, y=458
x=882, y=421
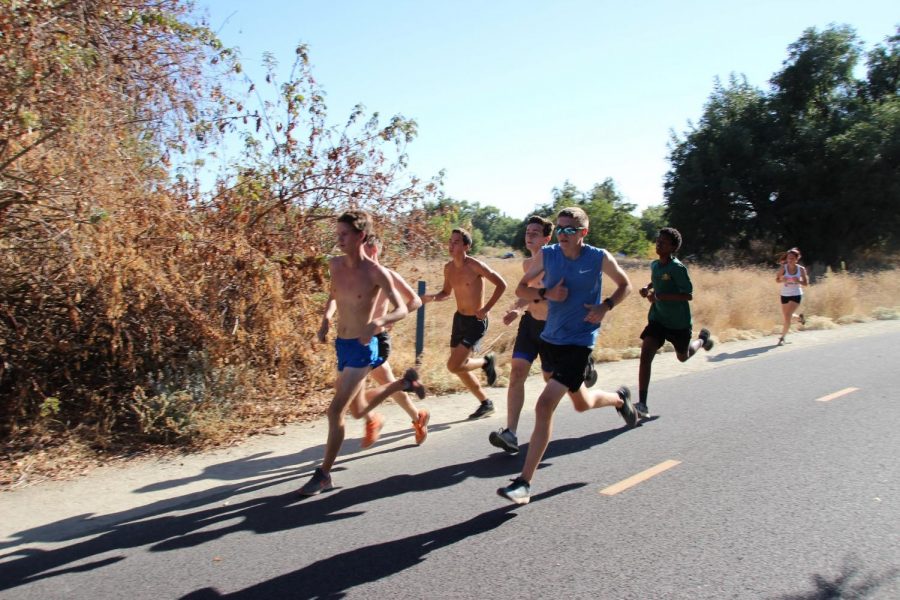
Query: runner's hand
x=596, y=312
x=510, y=316
x=557, y=293
x=323, y=331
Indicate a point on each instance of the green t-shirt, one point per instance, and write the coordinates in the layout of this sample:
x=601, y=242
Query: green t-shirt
x=671, y=278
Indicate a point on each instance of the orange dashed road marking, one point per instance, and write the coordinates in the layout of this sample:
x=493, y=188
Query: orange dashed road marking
x=837, y=394
x=639, y=478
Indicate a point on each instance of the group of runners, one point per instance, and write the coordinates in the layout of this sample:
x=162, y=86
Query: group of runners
x=559, y=302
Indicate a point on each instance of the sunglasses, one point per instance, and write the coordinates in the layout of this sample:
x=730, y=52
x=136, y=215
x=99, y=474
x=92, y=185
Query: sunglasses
x=568, y=230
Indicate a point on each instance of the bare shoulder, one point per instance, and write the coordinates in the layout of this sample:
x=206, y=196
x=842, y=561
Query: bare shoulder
x=610, y=264
x=526, y=264
x=377, y=270
x=608, y=256
x=395, y=276
x=476, y=265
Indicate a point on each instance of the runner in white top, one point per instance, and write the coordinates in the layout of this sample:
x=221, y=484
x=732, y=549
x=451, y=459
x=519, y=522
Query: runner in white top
x=792, y=277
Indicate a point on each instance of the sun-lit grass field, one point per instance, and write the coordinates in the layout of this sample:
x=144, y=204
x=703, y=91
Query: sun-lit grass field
x=733, y=303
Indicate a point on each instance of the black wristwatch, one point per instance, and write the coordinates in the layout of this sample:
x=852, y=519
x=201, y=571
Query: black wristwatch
x=542, y=292
x=608, y=302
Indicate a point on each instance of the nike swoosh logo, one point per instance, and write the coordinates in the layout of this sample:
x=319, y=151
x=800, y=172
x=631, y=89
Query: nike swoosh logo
x=585, y=271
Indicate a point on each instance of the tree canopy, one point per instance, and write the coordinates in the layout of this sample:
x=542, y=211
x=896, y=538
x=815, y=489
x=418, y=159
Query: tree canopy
x=612, y=223
x=810, y=162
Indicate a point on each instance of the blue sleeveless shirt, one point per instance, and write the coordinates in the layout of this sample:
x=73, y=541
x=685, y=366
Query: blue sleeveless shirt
x=583, y=276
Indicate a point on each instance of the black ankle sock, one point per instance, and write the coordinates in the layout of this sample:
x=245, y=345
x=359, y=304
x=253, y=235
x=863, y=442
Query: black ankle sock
x=642, y=396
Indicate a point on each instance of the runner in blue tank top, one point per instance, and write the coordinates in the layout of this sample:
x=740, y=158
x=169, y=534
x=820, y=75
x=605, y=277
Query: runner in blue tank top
x=573, y=273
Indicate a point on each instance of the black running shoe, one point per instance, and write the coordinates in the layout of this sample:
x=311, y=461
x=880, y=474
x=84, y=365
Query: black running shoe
x=412, y=384
x=627, y=410
x=318, y=483
x=517, y=492
x=505, y=440
x=590, y=373
x=486, y=409
x=704, y=337
x=489, y=370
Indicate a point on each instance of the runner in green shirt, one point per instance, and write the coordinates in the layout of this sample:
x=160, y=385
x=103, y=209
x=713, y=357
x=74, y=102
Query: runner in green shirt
x=669, y=293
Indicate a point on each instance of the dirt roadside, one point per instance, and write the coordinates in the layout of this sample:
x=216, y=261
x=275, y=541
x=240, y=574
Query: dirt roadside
x=150, y=485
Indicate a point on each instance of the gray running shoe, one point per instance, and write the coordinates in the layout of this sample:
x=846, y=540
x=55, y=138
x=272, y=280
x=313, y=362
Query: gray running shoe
x=489, y=368
x=704, y=337
x=627, y=410
x=590, y=373
x=517, y=492
x=486, y=409
x=319, y=482
x=505, y=440
x=642, y=410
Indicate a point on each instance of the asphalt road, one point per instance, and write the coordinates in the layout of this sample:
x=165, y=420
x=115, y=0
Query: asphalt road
x=764, y=488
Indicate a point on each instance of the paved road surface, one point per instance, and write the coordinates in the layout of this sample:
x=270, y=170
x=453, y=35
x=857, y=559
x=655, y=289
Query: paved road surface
x=776, y=476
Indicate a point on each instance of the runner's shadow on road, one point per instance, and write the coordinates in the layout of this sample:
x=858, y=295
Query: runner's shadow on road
x=741, y=353
x=249, y=473
x=330, y=577
x=297, y=511
x=263, y=463
x=222, y=513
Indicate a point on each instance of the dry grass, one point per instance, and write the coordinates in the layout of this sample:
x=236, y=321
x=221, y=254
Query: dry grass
x=734, y=303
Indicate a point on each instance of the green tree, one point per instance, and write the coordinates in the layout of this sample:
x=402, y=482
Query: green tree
x=716, y=193
x=810, y=162
x=612, y=223
x=488, y=226
x=497, y=228
x=653, y=218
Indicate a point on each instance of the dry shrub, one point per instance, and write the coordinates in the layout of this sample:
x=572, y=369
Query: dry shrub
x=133, y=308
x=835, y=295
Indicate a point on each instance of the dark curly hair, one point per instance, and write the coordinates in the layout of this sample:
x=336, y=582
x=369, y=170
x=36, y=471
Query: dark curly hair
x=673, y=234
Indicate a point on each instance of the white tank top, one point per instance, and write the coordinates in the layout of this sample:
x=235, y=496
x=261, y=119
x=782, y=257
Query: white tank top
x=790, y=285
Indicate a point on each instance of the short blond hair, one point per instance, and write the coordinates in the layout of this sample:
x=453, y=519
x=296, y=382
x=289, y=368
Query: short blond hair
x=576, y=214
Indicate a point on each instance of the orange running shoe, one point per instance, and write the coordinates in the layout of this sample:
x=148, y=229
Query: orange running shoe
x=373, y=430
x=421, y=425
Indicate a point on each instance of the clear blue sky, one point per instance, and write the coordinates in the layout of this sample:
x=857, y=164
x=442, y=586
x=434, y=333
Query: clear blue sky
x=513, y=98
